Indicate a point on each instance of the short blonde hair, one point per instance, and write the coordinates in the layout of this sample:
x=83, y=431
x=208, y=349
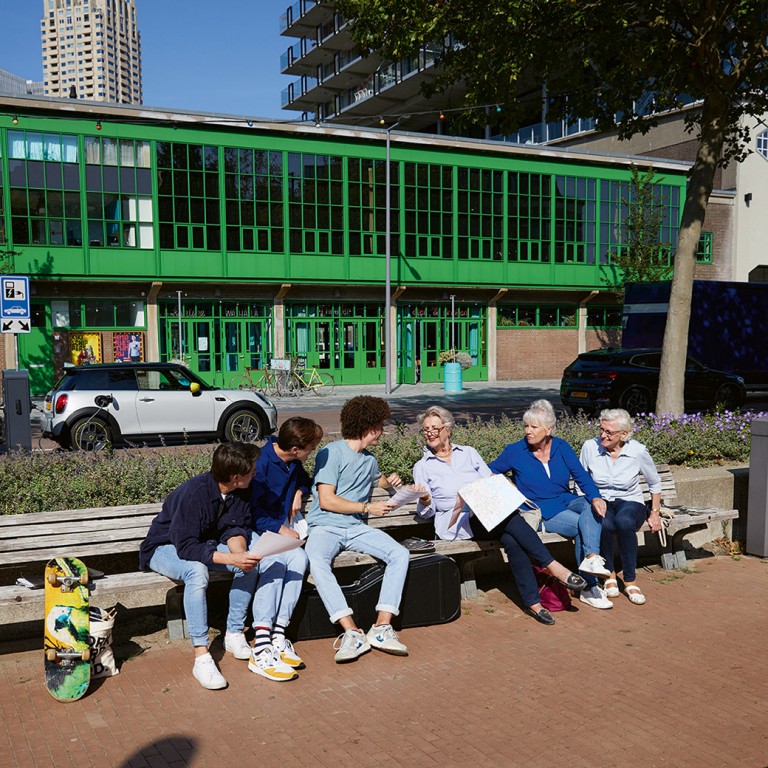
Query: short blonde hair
x=622, y=418
x=541, y=411
x=436, y=410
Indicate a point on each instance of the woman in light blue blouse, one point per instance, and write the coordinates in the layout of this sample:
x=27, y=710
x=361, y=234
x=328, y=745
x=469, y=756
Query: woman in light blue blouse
x=615, y=462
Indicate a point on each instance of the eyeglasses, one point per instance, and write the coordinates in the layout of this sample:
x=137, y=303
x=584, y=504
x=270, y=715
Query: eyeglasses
x=609, y=433
x=432, y=430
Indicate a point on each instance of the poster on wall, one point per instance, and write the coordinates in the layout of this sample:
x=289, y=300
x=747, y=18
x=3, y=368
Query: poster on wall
x=128, y=347
x=85, y=348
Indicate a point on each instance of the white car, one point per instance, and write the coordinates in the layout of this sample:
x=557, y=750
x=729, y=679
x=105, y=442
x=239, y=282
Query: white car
x=16, y=311
x=95, y=406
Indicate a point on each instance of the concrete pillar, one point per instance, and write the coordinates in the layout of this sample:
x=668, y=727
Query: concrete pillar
x=152, y=352
x=757, y=507
x=278, y=320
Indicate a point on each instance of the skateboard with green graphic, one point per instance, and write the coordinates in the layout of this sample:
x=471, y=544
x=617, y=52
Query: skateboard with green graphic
x=67, y=629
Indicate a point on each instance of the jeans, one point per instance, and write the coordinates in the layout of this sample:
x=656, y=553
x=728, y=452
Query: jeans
x=623, y=520
x=325, y=542
x=519, y=541
x=578, y=521
x=278, y=583
x=194, y=574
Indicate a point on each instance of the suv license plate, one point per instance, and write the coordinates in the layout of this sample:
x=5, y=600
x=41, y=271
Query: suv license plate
x=579, y=394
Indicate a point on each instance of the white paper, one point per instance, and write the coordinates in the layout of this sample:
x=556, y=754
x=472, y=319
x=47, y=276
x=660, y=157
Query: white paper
x=492, y=499
x=405, y=495
x=273, y=543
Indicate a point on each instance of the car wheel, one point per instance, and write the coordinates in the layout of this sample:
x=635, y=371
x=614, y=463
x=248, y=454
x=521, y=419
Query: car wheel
x=243, y=427
x=728, y=397
x=636, y=400
x=90, y=434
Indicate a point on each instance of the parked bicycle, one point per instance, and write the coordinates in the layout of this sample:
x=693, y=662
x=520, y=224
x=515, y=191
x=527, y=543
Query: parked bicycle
x=311, y=380
x=264, y=379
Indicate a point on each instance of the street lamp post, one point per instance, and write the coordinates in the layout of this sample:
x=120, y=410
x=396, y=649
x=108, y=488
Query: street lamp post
x=388, y=261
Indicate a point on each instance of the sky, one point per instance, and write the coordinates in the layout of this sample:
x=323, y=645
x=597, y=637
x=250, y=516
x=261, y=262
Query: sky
x=221, y=56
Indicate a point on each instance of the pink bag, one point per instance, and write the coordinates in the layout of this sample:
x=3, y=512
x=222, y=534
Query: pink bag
x=554, y=596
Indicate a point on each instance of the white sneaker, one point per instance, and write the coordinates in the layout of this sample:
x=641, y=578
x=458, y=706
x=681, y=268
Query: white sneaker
x=268, y=664
x=207, y=674
x=288, y=655
x=350, y=645
x=236, y=644
x=385, y=639
x=595, y=597
x=596, y=565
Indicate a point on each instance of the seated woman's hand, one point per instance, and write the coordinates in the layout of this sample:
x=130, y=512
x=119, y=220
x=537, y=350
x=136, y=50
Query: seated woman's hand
x=654, y=522
x=426, y=499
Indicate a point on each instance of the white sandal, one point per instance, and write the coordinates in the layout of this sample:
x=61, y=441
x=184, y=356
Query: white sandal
x=611, y=591
x=634, y=594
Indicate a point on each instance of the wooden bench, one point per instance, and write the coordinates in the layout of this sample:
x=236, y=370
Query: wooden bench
x=28, y=541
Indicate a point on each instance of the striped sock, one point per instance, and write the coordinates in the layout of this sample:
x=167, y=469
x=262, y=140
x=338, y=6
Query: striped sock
x=278, y=633
x=262, y=640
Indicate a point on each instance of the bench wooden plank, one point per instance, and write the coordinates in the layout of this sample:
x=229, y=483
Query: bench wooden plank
x=35, y=518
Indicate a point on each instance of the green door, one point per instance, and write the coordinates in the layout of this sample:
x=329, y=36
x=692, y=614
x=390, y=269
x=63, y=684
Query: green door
x=429, y=345
x=406, y=351
x=35, y=354
x=245, y=344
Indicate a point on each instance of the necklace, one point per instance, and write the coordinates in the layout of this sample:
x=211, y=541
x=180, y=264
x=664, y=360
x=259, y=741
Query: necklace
x=444, y=453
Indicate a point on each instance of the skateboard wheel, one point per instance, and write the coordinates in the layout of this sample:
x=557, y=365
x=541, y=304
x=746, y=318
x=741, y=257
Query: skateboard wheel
x=50, y=654
x=86, y=655
x=53, y=579
x=84, y=578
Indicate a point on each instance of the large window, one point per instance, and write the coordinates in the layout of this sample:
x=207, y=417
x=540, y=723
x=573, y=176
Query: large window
x=45, y=188
x=480, y=202
x=530, y=205
x=575, y=220
x=428, y=211
x=368, y=205
x=603, y=316
x=118, y=187
x=97, y=313
x=536, y=316
x=253, y=185
x=188, y=196
x=315, y=204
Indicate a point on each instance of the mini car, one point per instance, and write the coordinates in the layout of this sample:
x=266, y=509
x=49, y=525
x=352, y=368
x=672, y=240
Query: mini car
x=629, y=379
x=95, y=406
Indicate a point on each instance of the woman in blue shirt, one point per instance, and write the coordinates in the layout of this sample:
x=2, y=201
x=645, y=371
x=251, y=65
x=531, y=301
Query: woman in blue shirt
x=542, y=467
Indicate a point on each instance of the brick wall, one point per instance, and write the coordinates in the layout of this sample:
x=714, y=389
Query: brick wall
x=542, y=353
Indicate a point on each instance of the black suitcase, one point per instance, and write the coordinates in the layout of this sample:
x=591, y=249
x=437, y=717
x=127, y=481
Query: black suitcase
x=432, y=595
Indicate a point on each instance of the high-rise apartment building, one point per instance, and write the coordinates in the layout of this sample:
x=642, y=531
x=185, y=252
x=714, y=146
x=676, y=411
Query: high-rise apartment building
x=93, y=46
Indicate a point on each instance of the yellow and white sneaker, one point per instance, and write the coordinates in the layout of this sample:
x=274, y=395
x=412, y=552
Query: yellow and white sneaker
x=287, y=653
x=268, y=664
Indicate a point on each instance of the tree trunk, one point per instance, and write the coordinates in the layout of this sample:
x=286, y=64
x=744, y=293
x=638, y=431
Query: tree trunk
x=670, y=398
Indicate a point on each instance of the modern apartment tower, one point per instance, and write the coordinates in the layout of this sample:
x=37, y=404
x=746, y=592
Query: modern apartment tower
x=93, y=46
x=336, y=84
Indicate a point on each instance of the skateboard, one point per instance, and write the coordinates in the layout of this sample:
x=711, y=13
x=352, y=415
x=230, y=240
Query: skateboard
x=67, y=629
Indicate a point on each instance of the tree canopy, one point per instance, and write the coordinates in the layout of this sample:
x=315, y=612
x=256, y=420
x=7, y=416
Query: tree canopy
x=609, y=60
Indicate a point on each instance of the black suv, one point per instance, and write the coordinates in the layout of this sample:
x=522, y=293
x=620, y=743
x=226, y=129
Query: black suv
x=629, y=379
x=94, y=406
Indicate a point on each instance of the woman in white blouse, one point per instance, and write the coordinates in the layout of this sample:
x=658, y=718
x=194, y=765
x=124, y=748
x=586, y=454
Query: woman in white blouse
x=615, y=462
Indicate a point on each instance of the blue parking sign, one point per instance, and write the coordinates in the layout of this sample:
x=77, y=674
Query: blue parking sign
x=14, y=297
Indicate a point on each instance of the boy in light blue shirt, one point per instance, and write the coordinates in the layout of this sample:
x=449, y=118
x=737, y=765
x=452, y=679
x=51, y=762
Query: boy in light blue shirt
x=345, y=473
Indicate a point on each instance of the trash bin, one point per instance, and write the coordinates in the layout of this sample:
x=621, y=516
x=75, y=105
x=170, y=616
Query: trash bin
x=452, y=379
x=757, y=505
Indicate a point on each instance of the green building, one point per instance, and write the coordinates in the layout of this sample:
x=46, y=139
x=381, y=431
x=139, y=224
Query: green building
x=230, y=241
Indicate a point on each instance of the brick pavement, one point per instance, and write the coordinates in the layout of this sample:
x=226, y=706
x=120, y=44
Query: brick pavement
x=680, y=682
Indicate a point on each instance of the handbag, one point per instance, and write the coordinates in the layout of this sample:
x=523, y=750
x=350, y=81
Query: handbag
x=531, y=515
x=553, y=595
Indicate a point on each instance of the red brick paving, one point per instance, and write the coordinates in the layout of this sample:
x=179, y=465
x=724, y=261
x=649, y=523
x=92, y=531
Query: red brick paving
x=679, y=682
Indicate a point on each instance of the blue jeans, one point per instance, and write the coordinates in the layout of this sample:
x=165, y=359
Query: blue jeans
x=578, y=521
x=521, y=543
x=623, y=519
x=325, y=542
x=194, y=574
x=278, y=588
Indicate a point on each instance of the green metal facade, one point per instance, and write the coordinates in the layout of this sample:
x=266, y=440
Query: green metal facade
x=101, y=209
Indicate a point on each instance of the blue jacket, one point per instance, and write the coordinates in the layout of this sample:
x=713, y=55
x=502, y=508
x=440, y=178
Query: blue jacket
x=273, y=488
x=193, y=520
x=528, y=473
